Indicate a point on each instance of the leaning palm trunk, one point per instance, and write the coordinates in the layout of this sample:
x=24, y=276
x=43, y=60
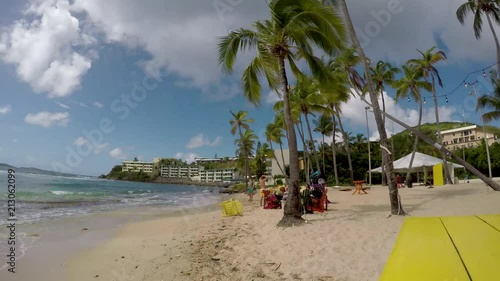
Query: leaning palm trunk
x=440, y=139
x=315, y=155
x=323, y=150
x=408, y=174
x=292, y=212
x=497, y=44
x=334, y=153
x=245, y=158
x=306, y=151
x=283, y=159
x=347, y=149
x=396, y=207
x=384, y=181
x=440, y=148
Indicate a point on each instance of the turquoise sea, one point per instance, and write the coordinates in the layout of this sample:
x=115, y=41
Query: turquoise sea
x=41, y=197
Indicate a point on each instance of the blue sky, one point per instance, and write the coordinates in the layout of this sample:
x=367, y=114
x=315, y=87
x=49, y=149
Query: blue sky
x=66, y=66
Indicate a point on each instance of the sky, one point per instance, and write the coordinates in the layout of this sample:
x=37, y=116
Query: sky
x=89, y=83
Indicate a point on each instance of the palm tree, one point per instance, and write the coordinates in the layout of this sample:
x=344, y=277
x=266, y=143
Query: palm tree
x=245, y=149
x=343, y=68
x=490, y=8
x=241, y=121
x=383, y=73
x=295, y=27
x=305, y=98
x=262, y=152
x=426, y=66
x=324, y=126
x=410, y=85
x=491, y=101
x=396, y=206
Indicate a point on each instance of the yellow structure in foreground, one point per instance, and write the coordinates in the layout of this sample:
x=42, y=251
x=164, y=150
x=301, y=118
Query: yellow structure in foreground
x=446, y=248
x=437, y=174
x=231, y=207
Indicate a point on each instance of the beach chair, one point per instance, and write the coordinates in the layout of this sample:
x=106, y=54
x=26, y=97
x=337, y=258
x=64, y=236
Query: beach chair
x=321, y=204
x=231, y=207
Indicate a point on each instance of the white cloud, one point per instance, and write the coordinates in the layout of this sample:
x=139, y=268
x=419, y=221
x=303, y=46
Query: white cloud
x=273, y=97
x=62, y=105
x=48, y=119
x=118, y=154
x=96, y=148
x=200, y=140
x=30, y=159
x=80, y=141
x=353, y=113
x=6, y=109
x=98, y=104
x=188, y=157
x=43, y=47
x=99, y=147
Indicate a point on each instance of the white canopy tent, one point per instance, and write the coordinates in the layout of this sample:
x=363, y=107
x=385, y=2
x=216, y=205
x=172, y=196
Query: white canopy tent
x=420, y=162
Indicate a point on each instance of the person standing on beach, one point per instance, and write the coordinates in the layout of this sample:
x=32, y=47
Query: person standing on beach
x=251, y=189
x=262, y=183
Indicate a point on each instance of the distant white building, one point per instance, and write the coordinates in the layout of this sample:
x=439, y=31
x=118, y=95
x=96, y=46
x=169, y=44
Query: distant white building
x=275, y=170
x=216, y=175
x=179, y=171
x=470, y=136
x=136, y=166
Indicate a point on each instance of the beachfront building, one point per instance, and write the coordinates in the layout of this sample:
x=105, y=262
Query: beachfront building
x=204, y=161
x=470, y=136
x=216, y=175
x=179, y=171
x=275, y=170
x=136, y=166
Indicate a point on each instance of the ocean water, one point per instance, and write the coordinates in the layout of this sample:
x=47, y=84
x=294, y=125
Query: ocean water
x=42, y=197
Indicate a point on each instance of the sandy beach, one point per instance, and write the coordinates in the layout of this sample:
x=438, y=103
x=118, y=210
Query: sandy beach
x=350, y=241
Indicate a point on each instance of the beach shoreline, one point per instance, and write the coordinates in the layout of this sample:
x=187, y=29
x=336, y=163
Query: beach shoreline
x=350, y=241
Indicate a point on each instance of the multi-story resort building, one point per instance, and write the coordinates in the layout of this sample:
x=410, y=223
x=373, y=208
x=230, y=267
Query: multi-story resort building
x=470, y=136
x=205, y=170
x=136, y=166
x=179, y=171
x=217, y=175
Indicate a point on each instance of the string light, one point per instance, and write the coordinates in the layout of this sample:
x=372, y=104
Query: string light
x=446, y=98
x=425, y=101
x=484, y=73
x=465, y=79
x=409, y=99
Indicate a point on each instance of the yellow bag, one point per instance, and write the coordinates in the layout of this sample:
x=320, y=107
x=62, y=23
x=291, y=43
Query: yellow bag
x=231, y=207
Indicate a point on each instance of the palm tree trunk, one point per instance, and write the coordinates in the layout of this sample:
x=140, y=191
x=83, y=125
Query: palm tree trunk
x=494, y=185
x=323, y=150
x=292, y=214
x=497, y=44
x=307, y=155
x=334, y=153
x=347, y=149
x=243, y=149
x=408, y=174
x=384, y=181
x=440, y=139
x=396, y=207
x=316, y=159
